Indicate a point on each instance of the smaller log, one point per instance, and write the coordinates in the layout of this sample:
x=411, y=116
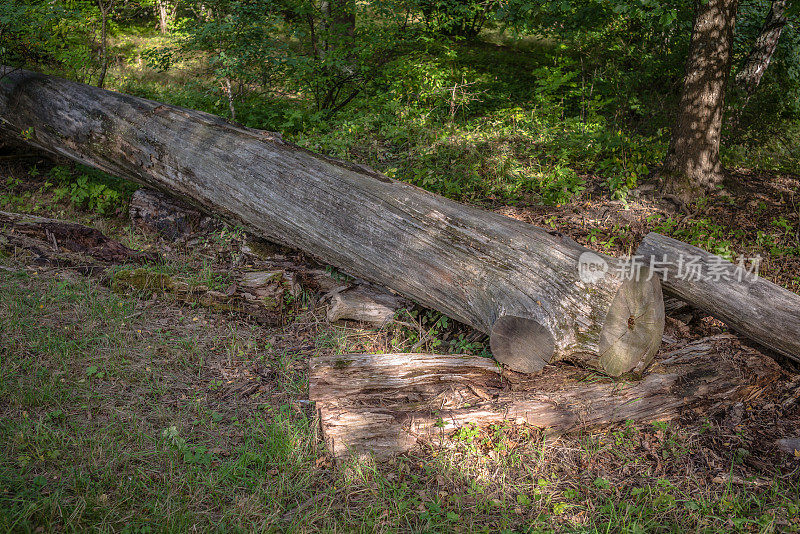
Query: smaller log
x=385, y=404
x=752, y=306
x=49, y=239
x=365, y=304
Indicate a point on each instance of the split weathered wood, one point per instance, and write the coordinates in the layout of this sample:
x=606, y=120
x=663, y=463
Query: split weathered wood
x=750, y=305
x=518, y=283
x=385, y=404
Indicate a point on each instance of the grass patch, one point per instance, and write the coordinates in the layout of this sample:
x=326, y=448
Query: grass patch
x=122, y=414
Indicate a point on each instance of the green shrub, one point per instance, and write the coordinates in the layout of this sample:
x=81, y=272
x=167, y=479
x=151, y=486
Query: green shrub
x=87, y=188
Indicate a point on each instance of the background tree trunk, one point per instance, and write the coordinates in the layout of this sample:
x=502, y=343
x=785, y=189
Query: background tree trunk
x=755, y=65
x=692, y=163
x=518, y=283
x=342, y=19
x=166, y=14
x=105, y=10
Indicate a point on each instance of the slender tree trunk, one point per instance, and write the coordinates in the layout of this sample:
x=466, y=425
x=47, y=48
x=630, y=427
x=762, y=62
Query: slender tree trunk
x=165, y=14
x=162, y=16
x=105, y=10
x=338, y=23
x=692, y=163
x=755, y=65
x=225, y=84
x=343, y=18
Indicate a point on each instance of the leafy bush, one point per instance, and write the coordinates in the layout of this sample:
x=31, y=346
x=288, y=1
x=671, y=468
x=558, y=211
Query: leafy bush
x=561, y=186
x=56, y=37
x=463, y=18
x=91, y=189
x=293, y=45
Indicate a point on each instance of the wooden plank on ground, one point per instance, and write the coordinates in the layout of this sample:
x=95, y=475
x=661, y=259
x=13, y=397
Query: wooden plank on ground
x=385, y=404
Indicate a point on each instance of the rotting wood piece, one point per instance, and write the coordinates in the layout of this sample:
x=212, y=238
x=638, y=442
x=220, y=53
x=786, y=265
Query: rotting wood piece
x=257, y=294
x=365, y=304
x=48, y=237
x=385, y=404
x=154, y=212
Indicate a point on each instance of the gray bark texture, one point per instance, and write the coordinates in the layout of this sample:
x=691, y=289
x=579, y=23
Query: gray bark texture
x=754, y=307
x=514, y=281
x=755, y=65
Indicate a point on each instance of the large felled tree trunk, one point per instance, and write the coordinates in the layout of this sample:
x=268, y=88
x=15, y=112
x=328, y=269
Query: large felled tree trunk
x=692, y=164
x=512, y=280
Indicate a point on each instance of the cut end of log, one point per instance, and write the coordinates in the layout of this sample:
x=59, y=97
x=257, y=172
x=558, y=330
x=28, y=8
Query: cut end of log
x=629, y=337
x=521, y=344
x=633, y=327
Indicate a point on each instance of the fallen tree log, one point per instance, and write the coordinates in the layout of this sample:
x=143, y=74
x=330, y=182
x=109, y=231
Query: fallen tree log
x=385, y=404
x=750, y=305
x=516, y=282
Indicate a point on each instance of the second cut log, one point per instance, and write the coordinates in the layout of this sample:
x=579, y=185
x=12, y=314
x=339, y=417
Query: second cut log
x=750, y=305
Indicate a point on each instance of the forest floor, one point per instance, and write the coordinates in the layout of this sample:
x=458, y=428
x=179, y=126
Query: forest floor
x=135, y=411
